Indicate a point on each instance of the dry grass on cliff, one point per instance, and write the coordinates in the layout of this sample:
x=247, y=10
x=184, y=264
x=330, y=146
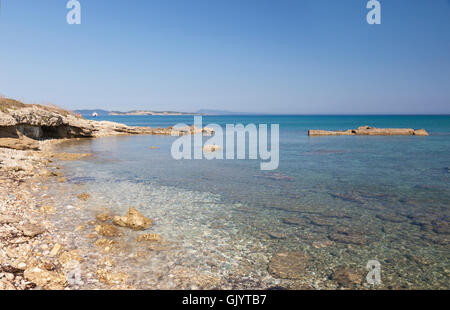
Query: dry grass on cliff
x=12, y=104
x=7, y=104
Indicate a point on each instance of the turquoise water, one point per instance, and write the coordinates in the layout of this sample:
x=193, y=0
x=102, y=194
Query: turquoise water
x=366, y=198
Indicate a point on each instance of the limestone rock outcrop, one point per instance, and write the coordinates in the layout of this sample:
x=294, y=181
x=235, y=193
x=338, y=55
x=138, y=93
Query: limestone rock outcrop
x=18, y=120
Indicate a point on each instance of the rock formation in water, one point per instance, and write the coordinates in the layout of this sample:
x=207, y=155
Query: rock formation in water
x=21, y=124
x=371, y=131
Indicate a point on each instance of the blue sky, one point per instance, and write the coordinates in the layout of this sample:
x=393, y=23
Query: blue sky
x=279, y=56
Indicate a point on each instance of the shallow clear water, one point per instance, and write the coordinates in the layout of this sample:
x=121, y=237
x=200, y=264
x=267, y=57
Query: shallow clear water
x=224, y=219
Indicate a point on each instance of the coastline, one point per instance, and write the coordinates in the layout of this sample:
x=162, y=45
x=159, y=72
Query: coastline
x=34, y=251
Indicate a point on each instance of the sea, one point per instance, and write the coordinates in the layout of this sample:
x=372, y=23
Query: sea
x=340, y=201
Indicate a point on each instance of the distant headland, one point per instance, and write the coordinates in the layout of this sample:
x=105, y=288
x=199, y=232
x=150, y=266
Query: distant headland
x=101, y=112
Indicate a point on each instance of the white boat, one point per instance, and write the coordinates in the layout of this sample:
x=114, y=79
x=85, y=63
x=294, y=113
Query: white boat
x=95, y=114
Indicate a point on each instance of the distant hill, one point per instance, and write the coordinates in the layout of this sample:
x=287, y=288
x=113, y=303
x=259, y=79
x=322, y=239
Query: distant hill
x=101, y=112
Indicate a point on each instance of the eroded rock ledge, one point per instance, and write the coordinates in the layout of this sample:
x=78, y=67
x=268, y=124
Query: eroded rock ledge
x=21, y=124
x=371, y=131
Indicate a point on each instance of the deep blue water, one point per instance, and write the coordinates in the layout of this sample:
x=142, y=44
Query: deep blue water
x=365, y=178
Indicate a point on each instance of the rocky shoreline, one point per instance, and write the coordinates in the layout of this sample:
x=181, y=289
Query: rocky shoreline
x=22, y=125
x=34, y=254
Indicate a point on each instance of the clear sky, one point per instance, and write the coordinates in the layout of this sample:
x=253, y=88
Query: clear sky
x=278, y=56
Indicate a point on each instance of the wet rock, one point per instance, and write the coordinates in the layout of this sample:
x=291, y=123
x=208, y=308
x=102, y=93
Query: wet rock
x=109, y=277
x=133, y=219
x=347, y=277
x=67, y=257
x=46, y=279
x=32, y=230
x=84, y=196
x=441, y=227
x=47, y=209
x=295, y=221
x=103, y=217
x=395, y=218
x=289, y=265
x=149, y=237
x=107, y=230
x=106, y=262
x=107, y=245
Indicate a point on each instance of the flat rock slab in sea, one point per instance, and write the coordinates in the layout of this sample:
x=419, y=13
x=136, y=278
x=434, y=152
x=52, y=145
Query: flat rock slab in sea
x=370, y=131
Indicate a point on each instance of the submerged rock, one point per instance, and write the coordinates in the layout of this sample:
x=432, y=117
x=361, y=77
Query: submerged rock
x=107, y=230
x=70, y=156
x=67, y=257
x=276, y=235
x=295, y=221
x=289, y=265
x=322, y=244
x=103, y=217
x=348, y=237
x=149, y=237
x=441, y=227
x=47, y=209
x=84, y=196
x=107, y=245
x=436, y=239
x=395, y=218
x=133, y=219
x=109, y=277
x=347, y=277
x=56, y=248
x=320, y=221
